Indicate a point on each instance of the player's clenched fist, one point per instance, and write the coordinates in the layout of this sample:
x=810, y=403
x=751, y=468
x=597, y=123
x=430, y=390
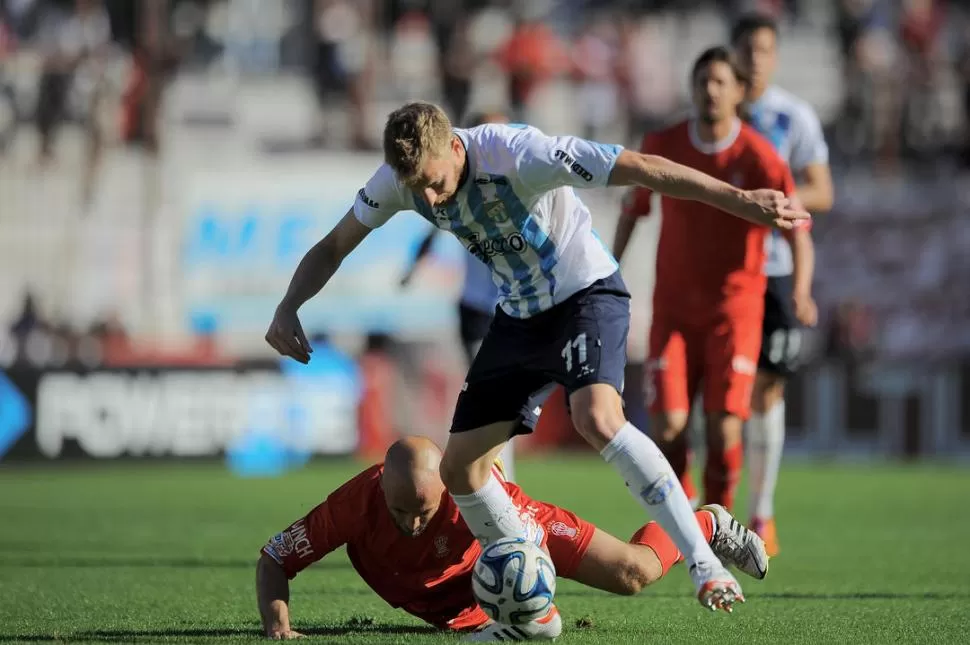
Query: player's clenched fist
x=773, y=208
x=286, y=335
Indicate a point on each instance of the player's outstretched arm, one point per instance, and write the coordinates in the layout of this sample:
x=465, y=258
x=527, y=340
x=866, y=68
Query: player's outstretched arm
x=316, y=268
x=273, y=596
x=803, y=258
x=765, y=206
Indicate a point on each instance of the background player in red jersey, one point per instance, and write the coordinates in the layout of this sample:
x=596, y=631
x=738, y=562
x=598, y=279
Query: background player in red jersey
x=406, y=539
x=709, y=295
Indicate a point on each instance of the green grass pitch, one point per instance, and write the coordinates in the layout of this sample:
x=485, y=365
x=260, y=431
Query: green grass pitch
x=166, y=553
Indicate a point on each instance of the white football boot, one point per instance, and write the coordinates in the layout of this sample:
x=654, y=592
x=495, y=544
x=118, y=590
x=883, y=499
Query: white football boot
x=546, y=629
x=736, y=545
x=716, y=587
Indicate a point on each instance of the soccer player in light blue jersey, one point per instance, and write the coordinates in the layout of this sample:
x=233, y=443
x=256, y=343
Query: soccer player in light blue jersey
x=508, y=193
x=792, y=126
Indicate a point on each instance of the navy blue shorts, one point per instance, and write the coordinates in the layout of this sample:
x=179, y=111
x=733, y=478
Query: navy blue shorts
x=579, y=342
x=781, y=341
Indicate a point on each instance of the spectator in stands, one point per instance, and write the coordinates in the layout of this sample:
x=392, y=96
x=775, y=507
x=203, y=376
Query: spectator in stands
x=342, y=61
x=72, y=40
x=531, y=57
x=595, y=60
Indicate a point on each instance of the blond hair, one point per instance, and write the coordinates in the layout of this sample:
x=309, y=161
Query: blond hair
x=415, y=133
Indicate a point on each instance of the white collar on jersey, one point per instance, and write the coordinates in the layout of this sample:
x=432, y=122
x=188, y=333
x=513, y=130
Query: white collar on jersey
x=717, y=146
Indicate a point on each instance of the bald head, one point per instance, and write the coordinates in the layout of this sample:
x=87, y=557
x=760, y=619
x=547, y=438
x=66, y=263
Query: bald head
x=412, y=485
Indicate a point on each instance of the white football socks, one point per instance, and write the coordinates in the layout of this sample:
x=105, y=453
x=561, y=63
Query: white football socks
x=490, y=513
x=766, y=441
x=652, y=482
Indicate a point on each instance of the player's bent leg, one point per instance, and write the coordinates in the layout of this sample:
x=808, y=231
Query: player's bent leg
x=725, y=458
x=466, y=463
x=765, y=444
x=618, y=567
x=597, y=414
x=485, y=505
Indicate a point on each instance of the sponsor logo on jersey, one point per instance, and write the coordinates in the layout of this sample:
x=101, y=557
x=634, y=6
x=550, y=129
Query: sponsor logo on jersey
x=441, y=546
x=484, y=249
x=573, y=165
x=562, y=530
x=300, y=542
x=282, y=544
x=367, y=200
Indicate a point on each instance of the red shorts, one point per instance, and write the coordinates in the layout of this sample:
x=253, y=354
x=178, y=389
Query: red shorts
x=567, y=536
x=720, y=352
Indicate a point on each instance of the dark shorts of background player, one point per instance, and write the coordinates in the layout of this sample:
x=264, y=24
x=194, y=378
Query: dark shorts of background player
x=473, y=325
x=781, y=332
x=579, y=342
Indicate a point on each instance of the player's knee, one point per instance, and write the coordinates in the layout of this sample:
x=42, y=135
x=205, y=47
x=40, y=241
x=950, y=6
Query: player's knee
x=768, y=391
x=634, y=576
x=454, y=476
x=670, y=426
x=724, y=430
x=597, y=423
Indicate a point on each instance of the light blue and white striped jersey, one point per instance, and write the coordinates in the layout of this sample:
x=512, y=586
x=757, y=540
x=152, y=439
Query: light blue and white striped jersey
x=517, y=212
x=796, y=133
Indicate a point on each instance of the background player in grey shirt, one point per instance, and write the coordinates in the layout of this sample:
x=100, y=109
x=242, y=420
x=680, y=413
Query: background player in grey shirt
x=794, y=129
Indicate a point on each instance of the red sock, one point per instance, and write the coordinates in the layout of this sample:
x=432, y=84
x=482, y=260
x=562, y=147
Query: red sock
x=721, y=475
x=652, y=536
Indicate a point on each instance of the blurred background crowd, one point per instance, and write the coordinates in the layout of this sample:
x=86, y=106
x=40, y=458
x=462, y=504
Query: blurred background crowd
x=130, y=128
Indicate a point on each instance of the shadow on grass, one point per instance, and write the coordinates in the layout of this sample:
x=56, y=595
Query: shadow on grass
x=129, y=635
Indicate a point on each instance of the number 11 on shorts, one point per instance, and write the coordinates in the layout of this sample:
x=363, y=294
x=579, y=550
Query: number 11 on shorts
x=579, y=344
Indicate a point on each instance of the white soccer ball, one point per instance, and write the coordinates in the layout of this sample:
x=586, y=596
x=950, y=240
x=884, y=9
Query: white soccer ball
x=514, y=581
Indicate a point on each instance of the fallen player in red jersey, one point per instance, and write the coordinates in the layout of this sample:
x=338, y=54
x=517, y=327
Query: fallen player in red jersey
x=407, y=540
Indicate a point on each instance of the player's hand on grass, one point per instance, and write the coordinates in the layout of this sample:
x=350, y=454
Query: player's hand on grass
x=806, y=311
x=286, y=335
x=772, y=208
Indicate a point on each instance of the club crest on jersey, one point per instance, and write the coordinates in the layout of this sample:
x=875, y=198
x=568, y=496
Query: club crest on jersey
x=492, y=204
x=496, y=211
x=737, y=180
x=562, y=530
x=441, y=546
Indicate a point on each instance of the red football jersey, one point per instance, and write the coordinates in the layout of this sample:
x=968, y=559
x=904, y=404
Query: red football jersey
x=705, y=256
x=429, y=576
